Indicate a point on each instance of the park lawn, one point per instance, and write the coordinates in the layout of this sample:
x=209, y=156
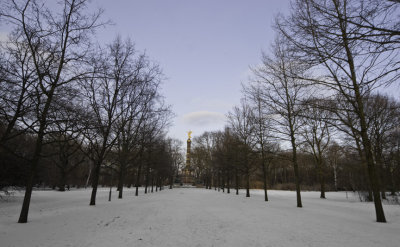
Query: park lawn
x=196, y=217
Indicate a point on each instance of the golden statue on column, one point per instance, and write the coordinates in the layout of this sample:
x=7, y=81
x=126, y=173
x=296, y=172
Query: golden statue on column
x=187, y=177
x=189, y=135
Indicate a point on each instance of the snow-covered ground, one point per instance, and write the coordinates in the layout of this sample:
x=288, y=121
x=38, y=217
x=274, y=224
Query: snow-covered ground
x=196, y=217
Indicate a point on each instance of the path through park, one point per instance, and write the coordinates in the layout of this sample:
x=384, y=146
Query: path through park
x=196, y=217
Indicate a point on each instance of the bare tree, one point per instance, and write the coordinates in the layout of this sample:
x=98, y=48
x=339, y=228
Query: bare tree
x=203, y=147
x=136, y=106
x=282, y=94
x=324, y=35
x=316, y=132
x=176, y=153
x=262, y=124
x=106, y=92
x=334, y=153
x=241, y=121
x=151, y=131
x=383, y=119
x=393, y=159
x=52, y=41
x=64, y=140
x=231, y=158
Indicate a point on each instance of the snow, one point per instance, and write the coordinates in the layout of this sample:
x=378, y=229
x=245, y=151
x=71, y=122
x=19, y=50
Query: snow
x=196, y=217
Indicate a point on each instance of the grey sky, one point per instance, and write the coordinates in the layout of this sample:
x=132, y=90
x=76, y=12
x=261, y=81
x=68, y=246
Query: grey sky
x=204, y=47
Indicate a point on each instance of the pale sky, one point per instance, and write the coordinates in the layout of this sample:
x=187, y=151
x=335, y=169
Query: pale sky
x=205, y=48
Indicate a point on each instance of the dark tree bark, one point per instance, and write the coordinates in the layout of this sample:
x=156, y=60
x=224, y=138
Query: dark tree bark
x=247, y=184
x=138, y=179
x=121, y=178
x=237, y=181
x=95, y=183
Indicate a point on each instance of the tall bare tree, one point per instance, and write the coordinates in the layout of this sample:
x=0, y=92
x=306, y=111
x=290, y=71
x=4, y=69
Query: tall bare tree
x=107, y=93
x=316, y=132
x=241, y=121
x=53, y=40
x=151, y=131
x=204, y=146
x=383, y=119
x=176, y=153
x=137, y=105
x=262, y=124
x=64, y=140
x=331, y=36
x=282, y=95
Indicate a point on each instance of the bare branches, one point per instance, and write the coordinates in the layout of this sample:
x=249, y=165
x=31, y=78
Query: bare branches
x=350, y=44
x=54, y=45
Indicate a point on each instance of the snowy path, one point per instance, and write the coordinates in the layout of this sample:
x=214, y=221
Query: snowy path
x=196, y=217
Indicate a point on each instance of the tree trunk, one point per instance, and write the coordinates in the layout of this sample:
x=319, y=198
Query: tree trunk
x=95, y=183
x=265, y=180
x=322, y=188
x=228, y=180
x=247, y=182
x=374, y=181
x=237, y=181
x=215, y=184
x=380, y=215
x=296, y=172
x=392, y=183
x=121, y=178
x=373, y=176
x=138, y=179
x=321, y=178
x=152, y=183
x=335, y=177
x=380, y=177
x=218, y=181
x=61, y=185
x=146, y=179
x=223, y=184
x=23, y=217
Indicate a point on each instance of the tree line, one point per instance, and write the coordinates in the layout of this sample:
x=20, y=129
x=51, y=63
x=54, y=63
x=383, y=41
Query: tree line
x=312, y=112
x=74, y=112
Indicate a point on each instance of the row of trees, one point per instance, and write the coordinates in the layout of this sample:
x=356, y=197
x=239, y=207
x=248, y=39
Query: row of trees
x=316, y=96
x=72, y=107
x=327, y=159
